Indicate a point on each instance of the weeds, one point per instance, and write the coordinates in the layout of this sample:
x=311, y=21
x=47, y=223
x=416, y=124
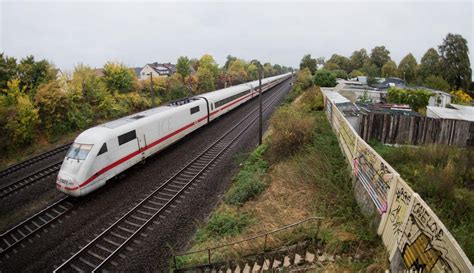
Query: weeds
x=249, y=181
x=226, y=222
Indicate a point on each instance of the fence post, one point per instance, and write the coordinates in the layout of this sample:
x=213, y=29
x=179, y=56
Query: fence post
x=209, y=256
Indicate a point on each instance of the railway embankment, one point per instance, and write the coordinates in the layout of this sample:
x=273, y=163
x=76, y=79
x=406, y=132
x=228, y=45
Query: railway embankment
x=298, y=172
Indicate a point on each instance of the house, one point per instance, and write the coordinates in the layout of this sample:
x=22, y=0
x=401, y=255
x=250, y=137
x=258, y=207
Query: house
x=137, y=71
x=157, y=69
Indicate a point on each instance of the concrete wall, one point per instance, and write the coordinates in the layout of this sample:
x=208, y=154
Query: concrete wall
x=413, y=235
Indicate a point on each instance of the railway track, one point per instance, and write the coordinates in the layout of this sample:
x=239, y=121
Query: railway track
x=103, y=248
x=29, y=179
x=21, y=165
x=24, y=230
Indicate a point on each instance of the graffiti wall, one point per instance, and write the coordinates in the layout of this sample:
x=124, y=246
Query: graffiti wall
x=408, y=227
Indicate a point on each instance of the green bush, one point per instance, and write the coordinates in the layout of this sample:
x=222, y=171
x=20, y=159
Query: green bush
x=417, y=99
x=339, y=73
x=291, y=130
x=249, y=181
x=324, y=78
x=312, y=100
x=437, y=83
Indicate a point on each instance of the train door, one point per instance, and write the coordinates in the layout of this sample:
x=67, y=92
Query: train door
x=142, y=142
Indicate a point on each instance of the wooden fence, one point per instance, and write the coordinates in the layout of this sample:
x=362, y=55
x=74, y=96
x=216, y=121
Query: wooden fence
x=416, y=130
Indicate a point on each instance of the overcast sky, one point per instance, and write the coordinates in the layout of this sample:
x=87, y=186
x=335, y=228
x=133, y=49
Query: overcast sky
x=136, y=33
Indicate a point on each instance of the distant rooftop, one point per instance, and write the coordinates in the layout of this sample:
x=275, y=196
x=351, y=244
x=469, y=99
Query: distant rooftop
x=460, y=112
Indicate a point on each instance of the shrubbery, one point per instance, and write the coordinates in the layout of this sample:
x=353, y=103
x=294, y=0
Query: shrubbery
x=291, y=130
x=325, y=78
x=417, y=99
x=312, y=100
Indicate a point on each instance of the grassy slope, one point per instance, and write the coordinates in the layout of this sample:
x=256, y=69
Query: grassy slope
x=312, y=181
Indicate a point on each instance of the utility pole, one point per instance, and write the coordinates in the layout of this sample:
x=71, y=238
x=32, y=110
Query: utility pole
x=151, y=90
x=260, y=122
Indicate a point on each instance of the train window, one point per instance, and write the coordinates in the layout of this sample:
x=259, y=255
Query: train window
x=194, y=110
x=103, y=149
x=79, y=151
x=122, y=139
x=231, y=98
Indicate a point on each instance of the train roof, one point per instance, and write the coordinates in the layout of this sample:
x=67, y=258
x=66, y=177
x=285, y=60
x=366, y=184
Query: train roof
x=134, y=117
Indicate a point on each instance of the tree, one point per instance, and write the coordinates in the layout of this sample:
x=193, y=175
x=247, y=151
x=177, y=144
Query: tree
x=183, y=66
x=19, y=118
x=175, y=88
x=325, y=78
x=304, y=78
x=429, y=64
x=341, y=74
x=278, y=69
x=320, y=61
x=237, y=71
x=358, y=58
x=370, y=69
x=268, y=70
x=331, y=66
x=308, y=62
x=8, y=70
x=407, y=68
x=229, y=60
x=194, y=63
x=379, y=56
x=53, y=105
x=252, y=71
x=342, y=62
x=205, y=80
x=118, y=78
x=455, y=61
x=437, y=83
x=389, y=69
x=32, y=73
x=356, y=73
x=208, y=62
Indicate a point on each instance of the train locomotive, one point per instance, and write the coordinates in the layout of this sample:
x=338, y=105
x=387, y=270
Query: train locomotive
x=102, y=152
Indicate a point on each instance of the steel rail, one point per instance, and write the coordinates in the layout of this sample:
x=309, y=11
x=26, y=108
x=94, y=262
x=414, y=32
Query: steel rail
x=29, y=179
x=33, y=224
x=35, y=159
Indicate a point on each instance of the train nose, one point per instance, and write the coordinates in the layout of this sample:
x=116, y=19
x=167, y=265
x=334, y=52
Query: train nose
x=67, y=184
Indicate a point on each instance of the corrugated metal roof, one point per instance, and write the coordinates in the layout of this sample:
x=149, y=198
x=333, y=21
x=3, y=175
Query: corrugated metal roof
x=462, y=112
x=334, y=96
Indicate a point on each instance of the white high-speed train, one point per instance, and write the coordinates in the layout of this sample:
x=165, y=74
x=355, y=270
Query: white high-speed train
x=104, y=151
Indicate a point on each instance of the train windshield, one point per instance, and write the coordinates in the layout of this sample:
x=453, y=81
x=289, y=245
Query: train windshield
x=79, y=151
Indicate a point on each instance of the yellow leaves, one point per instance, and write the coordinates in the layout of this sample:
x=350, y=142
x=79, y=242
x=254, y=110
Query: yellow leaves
x=460, y=97
x=23, y=120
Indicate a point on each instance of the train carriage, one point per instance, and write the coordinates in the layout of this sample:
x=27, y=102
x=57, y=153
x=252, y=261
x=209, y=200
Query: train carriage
x=104, y=151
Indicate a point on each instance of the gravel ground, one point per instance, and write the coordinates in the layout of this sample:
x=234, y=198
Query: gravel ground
x=92, y=214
